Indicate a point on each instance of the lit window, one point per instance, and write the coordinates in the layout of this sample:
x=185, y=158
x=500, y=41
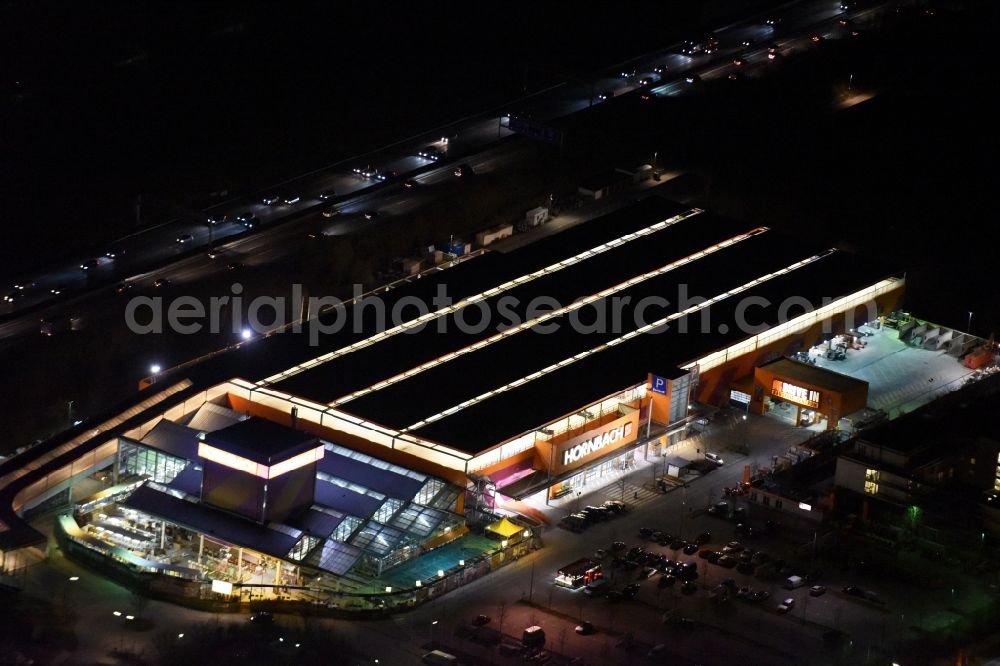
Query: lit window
x=871, y=481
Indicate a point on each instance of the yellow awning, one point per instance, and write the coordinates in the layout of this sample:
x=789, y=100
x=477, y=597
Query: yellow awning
x=505, y=528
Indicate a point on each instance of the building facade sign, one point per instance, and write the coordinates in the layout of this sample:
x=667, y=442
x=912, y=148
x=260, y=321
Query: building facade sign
x=594, y=443
x=793, y=393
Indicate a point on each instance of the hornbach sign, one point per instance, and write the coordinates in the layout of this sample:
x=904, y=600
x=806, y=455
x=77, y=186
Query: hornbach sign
x=592, y=444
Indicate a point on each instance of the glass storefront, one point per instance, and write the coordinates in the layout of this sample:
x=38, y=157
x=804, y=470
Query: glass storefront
x=596, y=474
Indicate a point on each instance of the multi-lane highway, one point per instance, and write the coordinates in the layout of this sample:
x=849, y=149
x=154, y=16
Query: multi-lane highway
x=398, y=174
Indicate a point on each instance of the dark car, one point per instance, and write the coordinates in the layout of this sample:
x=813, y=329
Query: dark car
x=746, y=556
x=646, y=533
x=677, y=544
x=618, y=546
x=686, y=573
x=667, y=580
x=629, y=591
x=732, y=547
x=719, y=509
x=262, y=618
x=616, y=506
x=713, y=557
x=689, y=587
x=729, y=582
x=727, y=561
x=124, y=288
x=585, y=628
x=664, y=539
x=854, y=591
x=635, y=553
x=481, y=620
x=760, y=595
x=703, y=538
x=690, y=549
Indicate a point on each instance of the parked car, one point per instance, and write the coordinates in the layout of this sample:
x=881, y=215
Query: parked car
x=689, y=587
x=817, y=591
x=703, y=538
x=616, y=506
x=854, y=591
x=732, y=547
x=786, y=605
x=715, y=457
x=618, y=546
x=761, y=595
x=629, y=591
x=666, y=580
x=586, y=628
x=481, y=620
x=727, y=561
x=690, y=549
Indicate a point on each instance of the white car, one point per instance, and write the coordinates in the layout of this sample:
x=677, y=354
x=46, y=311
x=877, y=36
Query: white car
x=715, y=457
x=786, y=605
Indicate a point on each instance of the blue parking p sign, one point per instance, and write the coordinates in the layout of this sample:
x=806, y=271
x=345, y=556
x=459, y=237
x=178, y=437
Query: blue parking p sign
x=659, y=385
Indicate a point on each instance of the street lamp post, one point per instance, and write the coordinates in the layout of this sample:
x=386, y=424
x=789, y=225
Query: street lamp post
x=968, y=326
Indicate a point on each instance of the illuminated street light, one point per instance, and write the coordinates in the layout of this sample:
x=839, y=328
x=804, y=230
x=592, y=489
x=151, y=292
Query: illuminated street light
x=74, y=578
x=461, y=563
x=117, y=613
x=434, y=622
x=130, y=617
x=440, y=573
x=180, y=635
x=246, y=334
x=155, y=369
x=419, y=583
x=388, y=589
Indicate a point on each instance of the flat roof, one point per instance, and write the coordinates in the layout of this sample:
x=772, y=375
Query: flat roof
x=814, y=375
x=277, y=353
x=395, y=355
x=262, y=441
x=567, y=389
x=402, y=380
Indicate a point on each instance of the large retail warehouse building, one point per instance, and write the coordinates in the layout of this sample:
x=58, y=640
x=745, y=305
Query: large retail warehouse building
x=566, y=392
x=644, y=312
